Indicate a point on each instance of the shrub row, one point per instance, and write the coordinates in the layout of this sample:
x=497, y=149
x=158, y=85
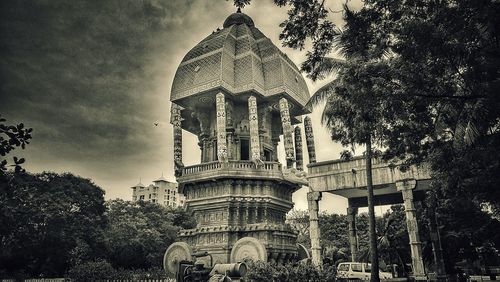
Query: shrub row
x=262, y=271
x=101, y=270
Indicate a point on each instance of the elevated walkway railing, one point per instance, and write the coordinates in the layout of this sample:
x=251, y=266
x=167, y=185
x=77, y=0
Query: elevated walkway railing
x=341, y=174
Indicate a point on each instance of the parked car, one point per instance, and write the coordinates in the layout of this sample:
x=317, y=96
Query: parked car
x=358, y=270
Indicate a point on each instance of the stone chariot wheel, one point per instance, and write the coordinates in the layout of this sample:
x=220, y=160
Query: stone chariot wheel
x=248, y=248
x=173, y=255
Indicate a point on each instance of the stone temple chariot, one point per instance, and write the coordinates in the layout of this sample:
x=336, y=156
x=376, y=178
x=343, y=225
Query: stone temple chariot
x=239, y=93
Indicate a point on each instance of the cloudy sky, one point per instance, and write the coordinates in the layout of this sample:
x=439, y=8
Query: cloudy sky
x=92, y=77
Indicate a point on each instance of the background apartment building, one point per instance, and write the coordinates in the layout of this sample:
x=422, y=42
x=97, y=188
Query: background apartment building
x=161, y=191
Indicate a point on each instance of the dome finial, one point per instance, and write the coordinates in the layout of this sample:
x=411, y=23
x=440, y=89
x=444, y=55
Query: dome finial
x=238, y=18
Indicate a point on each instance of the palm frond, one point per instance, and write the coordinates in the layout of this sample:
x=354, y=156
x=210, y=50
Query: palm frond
x=468, y=130
x=323, y=93
x=328, y=66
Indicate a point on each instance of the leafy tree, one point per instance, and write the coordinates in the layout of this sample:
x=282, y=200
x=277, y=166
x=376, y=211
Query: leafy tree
x=393, y=238
x=45, y=218
x=467, y=225
x=12, y=136
x=299, y=221
x=335, y=236
x=355, y=109
x=140, y=232
x=334, y=231
x=432, y=66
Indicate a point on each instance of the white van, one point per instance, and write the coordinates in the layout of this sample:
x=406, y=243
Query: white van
x=358, y=270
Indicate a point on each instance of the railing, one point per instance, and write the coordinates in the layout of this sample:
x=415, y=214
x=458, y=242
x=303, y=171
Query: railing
x=201, y=167
x=339, y=174
x=238, y=165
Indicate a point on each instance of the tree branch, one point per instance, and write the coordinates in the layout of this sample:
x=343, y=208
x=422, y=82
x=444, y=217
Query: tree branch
x=451, y=96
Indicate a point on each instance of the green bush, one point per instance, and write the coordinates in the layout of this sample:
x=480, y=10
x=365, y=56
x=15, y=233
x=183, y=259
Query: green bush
x=92, y=271
x=102, y=270
x=262, y=271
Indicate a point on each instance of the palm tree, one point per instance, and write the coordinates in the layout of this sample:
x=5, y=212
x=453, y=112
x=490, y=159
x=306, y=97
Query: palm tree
x=339, y=113
x=350, y=112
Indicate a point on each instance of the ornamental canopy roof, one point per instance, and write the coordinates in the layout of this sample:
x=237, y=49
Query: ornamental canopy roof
x=238, y=60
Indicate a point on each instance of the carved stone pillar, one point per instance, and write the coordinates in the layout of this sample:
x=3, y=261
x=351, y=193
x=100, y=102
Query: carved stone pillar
x=200, y=144
x=203, y=119
x=247, y=213
x=353, y=236
x=253, y=120
x=287, y=132
x=221, y=127
x=230, y=130
x=275, y=141
x=237, y=218
x=175, y=120
x=406, y=187
x=264, y=117
x=266, y=212
x=255, y=215
x=310, y=140
x=312, y=202
x=298, y=149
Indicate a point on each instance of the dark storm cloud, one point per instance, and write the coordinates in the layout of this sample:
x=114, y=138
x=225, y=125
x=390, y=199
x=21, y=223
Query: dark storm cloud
x=92, y=76
x=79, y=72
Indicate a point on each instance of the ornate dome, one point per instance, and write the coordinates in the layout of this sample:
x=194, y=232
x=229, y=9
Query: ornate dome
x=238, y=59
x=238, y=18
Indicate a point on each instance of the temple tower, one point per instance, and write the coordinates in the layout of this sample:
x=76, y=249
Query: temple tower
x=239, y=94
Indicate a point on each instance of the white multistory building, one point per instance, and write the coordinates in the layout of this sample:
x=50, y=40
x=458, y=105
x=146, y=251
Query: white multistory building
x=162, y=192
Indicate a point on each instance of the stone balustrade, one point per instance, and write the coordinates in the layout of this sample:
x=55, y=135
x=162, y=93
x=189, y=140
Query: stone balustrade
x=230, y=168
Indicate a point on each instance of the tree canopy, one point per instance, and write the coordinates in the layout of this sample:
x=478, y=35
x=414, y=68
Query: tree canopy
x=55, y=222
x=45, y=218
x=423, y=73
x=422, y=77
x=140, y=232
x=12, y=136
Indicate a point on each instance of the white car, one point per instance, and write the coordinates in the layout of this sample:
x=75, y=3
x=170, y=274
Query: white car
x=358, y=270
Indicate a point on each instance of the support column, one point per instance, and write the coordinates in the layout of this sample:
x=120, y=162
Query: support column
x=275, y=141
x=406, y=187
x=253, y=119
x=287, y=132
x=221, y=127
x=437, y=249
x=313, y=199
x=203, y=119
x=264, y=112
x=266, y=212
x=230, y=130
x=310, y=140
x=299, y=165
x=175, y=120
x=353, y=236
x=238, y=214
